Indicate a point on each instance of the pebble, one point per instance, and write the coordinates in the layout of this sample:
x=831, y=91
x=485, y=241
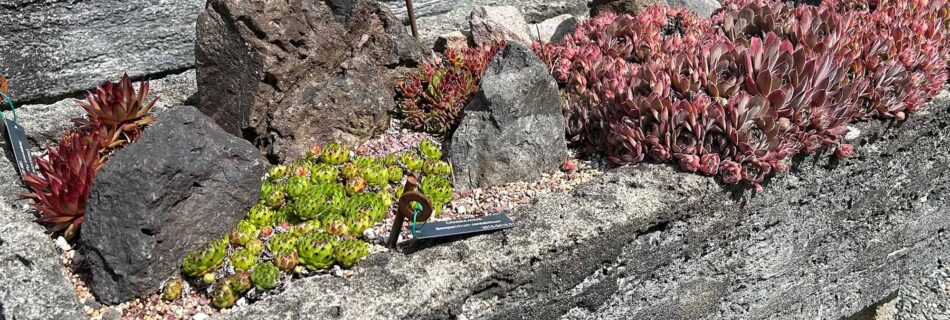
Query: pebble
x=370, y=234
x=112, y=314
x=201, y=316
x=62, y=244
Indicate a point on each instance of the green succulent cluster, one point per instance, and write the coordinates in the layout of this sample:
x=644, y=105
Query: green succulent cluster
x=310, y=215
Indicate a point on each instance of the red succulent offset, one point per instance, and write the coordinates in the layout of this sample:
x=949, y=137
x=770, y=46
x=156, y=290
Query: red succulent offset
x=117, y=107
x=61, y=186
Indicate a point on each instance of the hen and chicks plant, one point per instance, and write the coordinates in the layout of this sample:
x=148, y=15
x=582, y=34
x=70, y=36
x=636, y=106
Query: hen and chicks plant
x=311, y=215
x=115, y=115
x=432, y=98
x=738, y=94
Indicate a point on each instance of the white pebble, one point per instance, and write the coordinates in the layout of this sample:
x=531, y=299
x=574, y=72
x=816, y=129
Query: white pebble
x=370, y=234
x=62, y=244
x=200, y=316
x=460, y=209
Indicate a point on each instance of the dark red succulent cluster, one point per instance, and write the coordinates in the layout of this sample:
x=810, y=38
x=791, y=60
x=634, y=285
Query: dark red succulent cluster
x=738, y=94
x=116, y=115
x=432, y=98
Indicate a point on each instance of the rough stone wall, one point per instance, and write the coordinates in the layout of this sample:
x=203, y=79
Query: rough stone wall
x=56, y=47
x=823, y=241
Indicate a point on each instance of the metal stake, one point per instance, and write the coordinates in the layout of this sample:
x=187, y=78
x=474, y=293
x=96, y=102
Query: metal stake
x=412, y=19
x=404, y=209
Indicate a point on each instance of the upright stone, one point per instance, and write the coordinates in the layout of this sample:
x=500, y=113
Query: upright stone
x=501, y=23
x=184, y=182
x=513, y=129
x=290, y=75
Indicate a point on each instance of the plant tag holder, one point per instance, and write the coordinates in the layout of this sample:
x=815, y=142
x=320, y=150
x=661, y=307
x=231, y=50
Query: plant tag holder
x=17, y=140
x=413, y=206
x=416, y=208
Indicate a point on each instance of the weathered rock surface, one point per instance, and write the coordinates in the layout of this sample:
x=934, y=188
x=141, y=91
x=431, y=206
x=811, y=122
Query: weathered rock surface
x=554, y=29
x=534, y=10
x=184, y=182
x=33, y=282
x=513, y=129
x=291, y=75
x=55, y=48
x=501, y=23
x=704, y=8
x=451, y=40
x=46, y=123
x=437, y=17
x=647, y=242
x=620, y=6
x=925, y=298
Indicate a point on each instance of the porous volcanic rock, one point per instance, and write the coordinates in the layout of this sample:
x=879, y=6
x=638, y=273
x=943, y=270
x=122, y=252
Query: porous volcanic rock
x=289, y=75
x=823, y=241
x=55, y=48
x=513, y=129
x=183, y=183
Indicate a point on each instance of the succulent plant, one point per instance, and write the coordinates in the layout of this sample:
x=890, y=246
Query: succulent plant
x=390, y=160
x=376, y=175
x=307, y=227
x=272, y=195
x=240, y=282
x=286, y=260
x=411, y=161
x=223, y=295
x=358, y=225
x=395, y=173
x=264, y=276
x=310, y=207
x=243, y=232
x=355, y=185
x=261, y=215
x=349, y=252
x=278, y=172
x=282, y=242
x=255, y=245
x=335, y=154
x=298, y=187
x=336, y=225
x=436, y=167
x=432, y=98
x=314, y=153
x=437, y=189
x=350, y=170
x=323, y=173
x=208, y=258
x=315, y=250
x=208, y=278
x=171, y=291
x=60, y=188
x=430, y=150
x=301, y=168
x=243, y=259
x=117, y=111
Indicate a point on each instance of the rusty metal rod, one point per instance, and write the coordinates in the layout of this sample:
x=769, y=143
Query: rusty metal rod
x=412, y=19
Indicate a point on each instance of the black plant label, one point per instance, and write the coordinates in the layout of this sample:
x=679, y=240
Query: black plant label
x=441, y=229
x=16, y=138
